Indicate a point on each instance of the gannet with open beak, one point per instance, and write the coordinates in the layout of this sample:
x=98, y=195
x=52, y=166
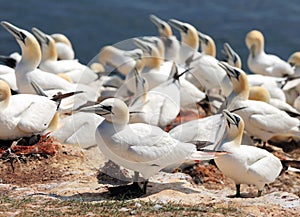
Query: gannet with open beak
x=23, y=115
x=140, y=147
x=171, y=44
x=78, y=72
x=262, y=120
x=261, y=63
x=63, y=47
x=245, y=164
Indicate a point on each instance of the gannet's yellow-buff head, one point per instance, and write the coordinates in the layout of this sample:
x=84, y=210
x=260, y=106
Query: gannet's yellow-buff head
x=259, y=93
x=294, y=59
x=151, y=57
x=58, y=37
x=113, y=110
x=4, y=94
x=235, y=127
x=239, y=80
x=163, y=27
x=188, y=33
x=208, y=45
x=255, y=42
x=47, y=45
x=233, y=58
x=31, y=52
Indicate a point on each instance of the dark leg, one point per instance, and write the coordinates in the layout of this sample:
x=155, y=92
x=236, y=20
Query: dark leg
x=238, y=190
x=129, y=191
x=259, y=193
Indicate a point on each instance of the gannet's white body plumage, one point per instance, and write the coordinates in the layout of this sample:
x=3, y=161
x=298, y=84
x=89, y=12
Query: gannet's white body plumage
x=272, y=84
x=78, y=72
x=140, y=147
x=245, y=164
x=23, y=115
x=158, y=106
x=63, y=47
x=78, y=129
x=261, y=63
x=262, y=120
x=8, y=74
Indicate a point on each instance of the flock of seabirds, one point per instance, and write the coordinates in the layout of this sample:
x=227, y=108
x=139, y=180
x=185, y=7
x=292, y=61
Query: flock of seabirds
x=143, y=90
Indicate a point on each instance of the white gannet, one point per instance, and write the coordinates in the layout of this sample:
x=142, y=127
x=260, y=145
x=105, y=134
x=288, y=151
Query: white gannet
x=8, y=74
x=78, y=72
x=204, y=68
x=23, y=115
x=143, y=148
x=261, y=63
x=245, y=164
x=117, y=59
x=171, y=44
x=262, y=120
x=158, y=106
x=157, y=71
x=63, y=46
x=78, y=128
x=207, y=44
x=26, y=70
x=261, y=93
x=232, y=58
x=272, y=84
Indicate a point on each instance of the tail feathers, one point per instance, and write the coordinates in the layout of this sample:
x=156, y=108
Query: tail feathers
x=205, y=155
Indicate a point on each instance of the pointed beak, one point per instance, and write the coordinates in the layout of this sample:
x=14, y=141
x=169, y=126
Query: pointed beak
x=231, y=119
x=231, y=72
x=15, y=31
x=178, y=25
x=97, y=109
x=202, y=37
x=228, y=50
x=160, y=24
x=41, y=37
x=143, y=45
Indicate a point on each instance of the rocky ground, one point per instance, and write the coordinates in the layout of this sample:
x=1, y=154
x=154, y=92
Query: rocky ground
x=68, y=183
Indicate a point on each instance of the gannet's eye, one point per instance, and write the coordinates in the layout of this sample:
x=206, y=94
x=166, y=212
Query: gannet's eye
x=237, y=120
x=185, y=29
x=163, y=26
x=107, y=107
x=22, y=36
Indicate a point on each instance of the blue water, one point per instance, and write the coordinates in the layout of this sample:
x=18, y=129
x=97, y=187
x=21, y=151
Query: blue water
x=91, y=24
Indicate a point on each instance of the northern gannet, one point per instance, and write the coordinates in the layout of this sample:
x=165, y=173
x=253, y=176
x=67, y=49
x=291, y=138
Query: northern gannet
x=77, y=129
x=160, y=105
x=171, y=44
x=207, y=44
x=139, y=147
x=23, y=115
x=26, y=71
x=261, y=63
x=262, y=120
x=78, y=72
x=261, y=93
x=63, y=46
x=157, y=71
x=204, y=68
x=232, y=58
x=245, y=164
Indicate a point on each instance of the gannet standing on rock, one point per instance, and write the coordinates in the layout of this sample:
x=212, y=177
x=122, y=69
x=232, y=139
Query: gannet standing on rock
x=140, y=147
x=245, y=164
x=261, y=63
